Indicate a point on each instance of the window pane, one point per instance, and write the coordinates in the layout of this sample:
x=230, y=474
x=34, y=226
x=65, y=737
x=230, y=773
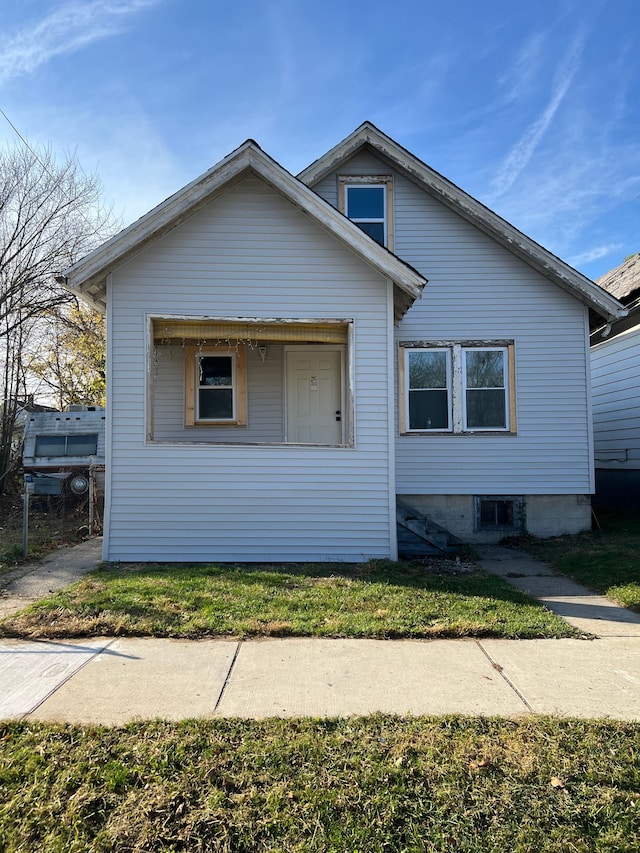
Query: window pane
x=496, y=513
x=82, y=445
x=486, y=409
x=485, y=368
x=365, y=202
x=428, y=410
x=427, y=369
x=216, y=370
x=215, y=404
x=373, y=229
x=504, y=513
x=488, y=513
x=50, y=445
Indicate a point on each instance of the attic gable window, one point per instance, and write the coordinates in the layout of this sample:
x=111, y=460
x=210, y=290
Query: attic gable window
x=366, y=201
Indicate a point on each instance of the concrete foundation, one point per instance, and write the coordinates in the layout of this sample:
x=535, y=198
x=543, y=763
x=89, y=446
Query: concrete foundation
x=542, y=515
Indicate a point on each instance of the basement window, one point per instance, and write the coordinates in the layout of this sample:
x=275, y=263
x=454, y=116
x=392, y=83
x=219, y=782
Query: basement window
x=499, y=513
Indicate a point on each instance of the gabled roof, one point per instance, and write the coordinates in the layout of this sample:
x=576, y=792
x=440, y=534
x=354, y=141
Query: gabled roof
x=368, y=136
x=88, y=276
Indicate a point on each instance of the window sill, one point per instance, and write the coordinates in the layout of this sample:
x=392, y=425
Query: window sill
x=215, y=424
x=491, y=432
x=246, y=444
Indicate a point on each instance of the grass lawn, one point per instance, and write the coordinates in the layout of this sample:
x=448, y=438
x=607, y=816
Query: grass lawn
x=380, y=599
x=606, y=560
x=357, y=785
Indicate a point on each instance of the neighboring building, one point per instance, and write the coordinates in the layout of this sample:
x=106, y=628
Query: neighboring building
x=17, y=413
x=61, y=448
x=277, y=376
x=615, y=379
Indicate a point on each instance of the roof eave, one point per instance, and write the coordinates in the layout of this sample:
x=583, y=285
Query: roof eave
x=469, y=208
x=88, y=276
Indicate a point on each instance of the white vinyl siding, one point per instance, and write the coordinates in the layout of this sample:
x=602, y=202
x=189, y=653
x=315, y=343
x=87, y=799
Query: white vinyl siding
x=615, y=379
x=248, y=253
x=477, y=291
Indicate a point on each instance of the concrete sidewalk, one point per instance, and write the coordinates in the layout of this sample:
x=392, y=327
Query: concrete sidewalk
x=40, y=578
x=586, y=610
x=114, y=681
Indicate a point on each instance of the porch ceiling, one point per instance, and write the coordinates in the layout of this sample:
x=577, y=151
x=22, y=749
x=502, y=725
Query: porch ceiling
x=222, y=331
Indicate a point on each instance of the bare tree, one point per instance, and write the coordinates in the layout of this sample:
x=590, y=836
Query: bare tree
x=50, y=216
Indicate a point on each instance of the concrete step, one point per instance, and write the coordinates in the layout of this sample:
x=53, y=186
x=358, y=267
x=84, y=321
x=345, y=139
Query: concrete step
x=422, y=529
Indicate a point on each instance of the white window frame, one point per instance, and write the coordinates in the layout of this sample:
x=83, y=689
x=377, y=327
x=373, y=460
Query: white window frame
x=407, y=356
x=384, y=182
x=457, y=386
x=211, y=388
x=193, y=355
x=504, y=387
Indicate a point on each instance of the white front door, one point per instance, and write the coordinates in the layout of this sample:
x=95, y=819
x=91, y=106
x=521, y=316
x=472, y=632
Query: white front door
x=314, y=395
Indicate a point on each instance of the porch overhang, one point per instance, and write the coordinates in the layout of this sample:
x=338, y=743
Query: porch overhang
x=250, y=331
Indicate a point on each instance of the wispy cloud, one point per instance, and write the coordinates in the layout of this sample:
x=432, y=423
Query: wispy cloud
x=571, y=203
x=594, y=254
x=63, y=31
x=522, y=152
x=521, y=77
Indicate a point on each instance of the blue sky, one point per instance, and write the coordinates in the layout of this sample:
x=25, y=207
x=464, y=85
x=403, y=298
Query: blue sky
x=533, y=108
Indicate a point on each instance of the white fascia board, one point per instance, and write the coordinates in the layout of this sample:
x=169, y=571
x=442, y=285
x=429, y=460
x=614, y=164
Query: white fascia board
x=92, y=269
x=532, y=253
x=87, y=276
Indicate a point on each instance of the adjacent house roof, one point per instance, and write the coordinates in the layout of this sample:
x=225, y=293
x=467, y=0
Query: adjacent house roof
x=623, y=282
x=88, y=276
x=367, y=136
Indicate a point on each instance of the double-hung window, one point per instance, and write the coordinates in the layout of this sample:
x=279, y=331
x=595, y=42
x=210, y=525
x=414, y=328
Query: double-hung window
x=366, y=201
x=458, y=387
x=429, y=392
x=485, y=383
x=215, y=387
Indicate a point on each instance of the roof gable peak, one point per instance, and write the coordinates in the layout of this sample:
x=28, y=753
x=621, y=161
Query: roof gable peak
x=466, y=206
x=88, y=276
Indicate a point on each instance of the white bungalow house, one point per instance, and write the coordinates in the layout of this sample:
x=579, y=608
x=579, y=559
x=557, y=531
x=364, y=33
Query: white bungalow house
x=279, y=375
x=615, y=377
